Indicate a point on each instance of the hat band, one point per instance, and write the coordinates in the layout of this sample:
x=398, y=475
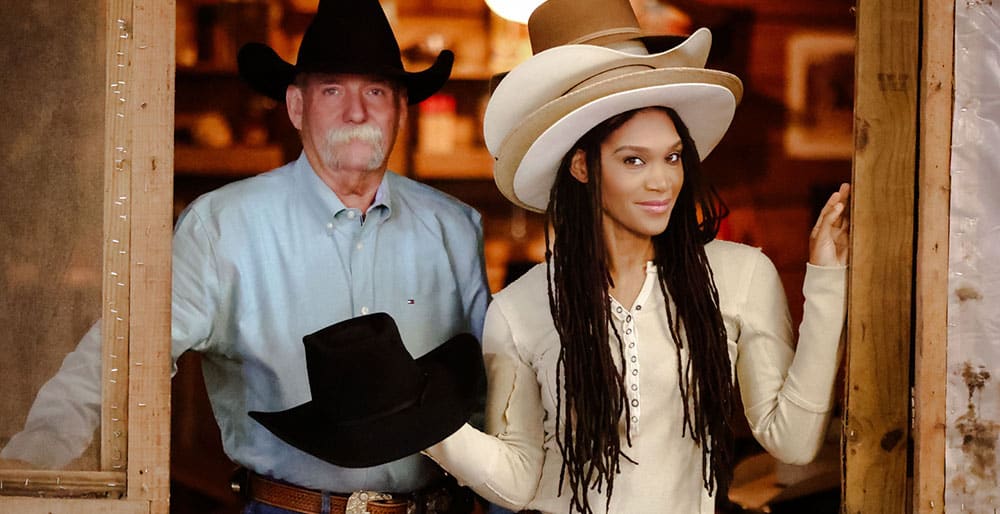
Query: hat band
x=387, y=412
x=610, y=74
x=586, y=38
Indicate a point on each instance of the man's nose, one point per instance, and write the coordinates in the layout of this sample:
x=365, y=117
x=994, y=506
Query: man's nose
x=356, y=110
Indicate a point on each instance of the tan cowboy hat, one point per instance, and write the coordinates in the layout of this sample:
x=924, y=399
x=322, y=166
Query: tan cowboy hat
x=592, y=62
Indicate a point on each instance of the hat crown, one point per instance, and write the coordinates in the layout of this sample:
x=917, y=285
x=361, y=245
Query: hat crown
x=339, y=360
x=573, y=22
x=349, y=36
x=345, y=36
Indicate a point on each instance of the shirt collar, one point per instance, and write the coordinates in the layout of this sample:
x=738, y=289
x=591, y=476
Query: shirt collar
x=326, y=204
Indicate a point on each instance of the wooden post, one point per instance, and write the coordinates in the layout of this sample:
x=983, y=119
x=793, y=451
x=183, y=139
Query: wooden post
x=931, y=359
x=880, y=287
x=151, y=109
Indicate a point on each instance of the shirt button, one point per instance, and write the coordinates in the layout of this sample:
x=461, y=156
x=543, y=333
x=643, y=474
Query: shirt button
x=635, y=372
x=635, y=419
x=635, y=403
x=638, y=307
x=364, y=310
x=351, y=214
x=628, y=318
x=359, y=246
x=631, y=345
x=619, y=310
x=628, y=331
x=329, y=225
x=635, y=387
x=633, y=358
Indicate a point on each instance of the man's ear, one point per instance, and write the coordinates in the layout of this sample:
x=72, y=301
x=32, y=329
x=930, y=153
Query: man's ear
x=294, y=103
x=578, y=166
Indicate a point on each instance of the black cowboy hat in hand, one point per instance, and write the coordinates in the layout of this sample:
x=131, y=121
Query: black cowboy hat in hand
x=362, y=416
x=346, y=36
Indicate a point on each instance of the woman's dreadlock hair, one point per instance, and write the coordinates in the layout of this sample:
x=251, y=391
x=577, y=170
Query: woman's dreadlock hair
x=578, y=286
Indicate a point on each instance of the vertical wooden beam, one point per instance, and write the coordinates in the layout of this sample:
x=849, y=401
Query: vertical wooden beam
x=880, y=287
x=150, y=107
x=117, y=234
x=934, y=186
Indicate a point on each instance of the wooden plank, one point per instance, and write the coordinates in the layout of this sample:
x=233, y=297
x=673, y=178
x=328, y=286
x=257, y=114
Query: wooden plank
x=933, y=208
x=52, y=483
x=117, y=205
x=880, y=287
x=64, y=506
x=151, y=109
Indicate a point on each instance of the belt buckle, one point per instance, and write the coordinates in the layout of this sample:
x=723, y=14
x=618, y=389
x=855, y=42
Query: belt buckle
x=357, y=503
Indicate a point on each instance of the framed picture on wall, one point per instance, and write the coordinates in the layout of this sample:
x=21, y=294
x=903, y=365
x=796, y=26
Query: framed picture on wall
x=820, y=95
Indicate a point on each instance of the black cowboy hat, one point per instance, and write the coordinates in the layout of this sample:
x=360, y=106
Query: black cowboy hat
x=346, y=36
x=362, y=416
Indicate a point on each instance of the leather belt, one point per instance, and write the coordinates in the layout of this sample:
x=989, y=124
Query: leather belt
x=308, y=501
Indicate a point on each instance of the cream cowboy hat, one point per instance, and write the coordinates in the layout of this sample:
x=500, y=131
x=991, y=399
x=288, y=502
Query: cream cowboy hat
x=591, y=62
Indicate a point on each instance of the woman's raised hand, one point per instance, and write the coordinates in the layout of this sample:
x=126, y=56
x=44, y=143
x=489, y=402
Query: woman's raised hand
x=829, y=241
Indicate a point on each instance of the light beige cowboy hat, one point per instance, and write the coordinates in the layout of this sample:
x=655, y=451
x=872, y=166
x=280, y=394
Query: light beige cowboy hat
x=591, y=61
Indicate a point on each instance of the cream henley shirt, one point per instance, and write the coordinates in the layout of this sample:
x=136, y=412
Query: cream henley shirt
x=787, y=392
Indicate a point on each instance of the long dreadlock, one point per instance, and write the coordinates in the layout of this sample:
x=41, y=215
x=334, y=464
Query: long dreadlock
x=579, y=281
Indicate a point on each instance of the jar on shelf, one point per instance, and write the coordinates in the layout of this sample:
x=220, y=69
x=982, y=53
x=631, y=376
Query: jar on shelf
x=436, y=124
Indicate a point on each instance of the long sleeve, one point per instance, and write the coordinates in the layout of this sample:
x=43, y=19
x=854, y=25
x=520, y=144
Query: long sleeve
x=503, y=465
x=788, y=392
x=66, y=410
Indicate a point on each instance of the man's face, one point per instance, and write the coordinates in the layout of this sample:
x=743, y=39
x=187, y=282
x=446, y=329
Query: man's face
x=347, y=121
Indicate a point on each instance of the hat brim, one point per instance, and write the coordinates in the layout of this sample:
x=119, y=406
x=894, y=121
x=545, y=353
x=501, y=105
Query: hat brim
x=528, y=159
x=267, y=73
x=454, y=382
x=551, y=73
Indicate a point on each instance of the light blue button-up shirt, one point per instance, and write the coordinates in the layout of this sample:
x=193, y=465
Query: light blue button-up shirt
x=264, y=261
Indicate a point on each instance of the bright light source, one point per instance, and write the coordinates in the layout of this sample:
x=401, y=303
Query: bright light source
x=514, y=10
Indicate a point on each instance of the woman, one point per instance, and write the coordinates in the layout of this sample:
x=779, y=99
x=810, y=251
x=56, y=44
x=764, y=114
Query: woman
x=611, y=365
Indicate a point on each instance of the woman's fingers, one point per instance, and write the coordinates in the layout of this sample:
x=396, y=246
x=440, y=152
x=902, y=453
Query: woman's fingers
x=829, y=238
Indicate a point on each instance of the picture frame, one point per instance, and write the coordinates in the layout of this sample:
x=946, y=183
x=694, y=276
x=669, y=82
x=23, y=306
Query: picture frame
x=819, y=95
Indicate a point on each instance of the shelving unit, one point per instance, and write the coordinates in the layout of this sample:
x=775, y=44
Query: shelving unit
x=233, y=161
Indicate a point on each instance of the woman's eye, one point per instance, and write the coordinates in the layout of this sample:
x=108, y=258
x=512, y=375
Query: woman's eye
x=674, y=158
x=634, y=161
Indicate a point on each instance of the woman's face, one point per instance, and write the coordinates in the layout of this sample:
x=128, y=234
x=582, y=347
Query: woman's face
x=641, y=175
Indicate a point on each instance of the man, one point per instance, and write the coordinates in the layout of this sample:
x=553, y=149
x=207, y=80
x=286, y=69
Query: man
x=262, y=262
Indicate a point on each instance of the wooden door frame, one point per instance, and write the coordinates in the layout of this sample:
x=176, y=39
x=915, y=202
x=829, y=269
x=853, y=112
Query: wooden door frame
x=897, y=328
x=134, y=474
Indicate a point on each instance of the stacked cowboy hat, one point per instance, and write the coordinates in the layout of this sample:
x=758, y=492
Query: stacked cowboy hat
x=358, y=418
x=343, y=37
x=591, y=61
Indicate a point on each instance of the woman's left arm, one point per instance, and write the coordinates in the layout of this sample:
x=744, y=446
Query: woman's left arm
x=788, y=394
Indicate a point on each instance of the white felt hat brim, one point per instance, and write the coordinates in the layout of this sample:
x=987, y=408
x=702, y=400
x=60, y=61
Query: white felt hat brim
x=528, y=158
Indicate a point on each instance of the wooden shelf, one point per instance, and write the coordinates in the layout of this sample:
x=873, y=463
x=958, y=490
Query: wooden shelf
x=233, y=161
x=461, y=163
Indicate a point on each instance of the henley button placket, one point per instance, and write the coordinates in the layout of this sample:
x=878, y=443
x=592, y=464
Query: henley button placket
x=624, y=316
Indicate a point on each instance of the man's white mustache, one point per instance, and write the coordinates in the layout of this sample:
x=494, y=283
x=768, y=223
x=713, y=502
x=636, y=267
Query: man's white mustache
x=363, y=133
